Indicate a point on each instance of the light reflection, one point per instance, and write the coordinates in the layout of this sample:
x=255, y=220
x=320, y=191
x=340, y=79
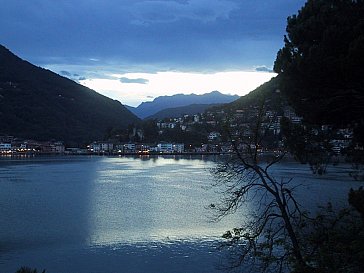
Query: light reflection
x=133, y=200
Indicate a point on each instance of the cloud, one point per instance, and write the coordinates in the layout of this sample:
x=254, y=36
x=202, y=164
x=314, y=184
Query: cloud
x=263, y=69
x=138, y=80
x=170, y=11
x=72, y=76
x=146, y=35
x=169, y=83
x=65, y=73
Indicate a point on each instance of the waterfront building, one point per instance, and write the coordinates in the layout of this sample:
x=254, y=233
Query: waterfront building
x=5, y=147
x=129, y=148
x=101, y=147
x=178, y=148
x=165, y=147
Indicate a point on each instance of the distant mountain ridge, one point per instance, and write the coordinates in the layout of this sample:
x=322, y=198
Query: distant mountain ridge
x=176, y=112
x=37, y=103
x=149, y=108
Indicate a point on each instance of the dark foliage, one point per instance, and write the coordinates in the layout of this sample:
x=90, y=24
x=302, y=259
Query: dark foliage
x=321, y=73
x=321, y=64
x=308, y=144
x=28, y=270
x=356, y=199
x=193, y=137
x=37, y=103
x=335, y=241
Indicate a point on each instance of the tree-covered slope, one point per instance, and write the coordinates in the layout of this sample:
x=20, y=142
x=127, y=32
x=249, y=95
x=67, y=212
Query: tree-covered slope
x=37, y=103
x=268, y=93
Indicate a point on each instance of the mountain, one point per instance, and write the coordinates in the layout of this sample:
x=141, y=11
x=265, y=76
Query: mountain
x=147, y=109
x=37, y=103
x=180, y=111
x=268, y=91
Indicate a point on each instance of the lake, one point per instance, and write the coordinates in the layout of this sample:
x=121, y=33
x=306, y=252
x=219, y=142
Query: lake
x=125, y=214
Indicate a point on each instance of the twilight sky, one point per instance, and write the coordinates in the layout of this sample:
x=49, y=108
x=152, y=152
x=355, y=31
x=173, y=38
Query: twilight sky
x=135, y=50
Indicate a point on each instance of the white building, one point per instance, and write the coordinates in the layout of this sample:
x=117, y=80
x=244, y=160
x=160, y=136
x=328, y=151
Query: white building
x=58, y=147
x=165, y=147
x=129, y=148
x=166, y=125
x=213, y=136
x=101, y=147
x=5, y=147
x=178, y=148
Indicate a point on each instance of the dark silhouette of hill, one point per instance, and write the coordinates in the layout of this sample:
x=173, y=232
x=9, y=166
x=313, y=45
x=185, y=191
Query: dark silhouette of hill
x=180, y=111
x=37, y=103
x=147, y=109
x=268, y=92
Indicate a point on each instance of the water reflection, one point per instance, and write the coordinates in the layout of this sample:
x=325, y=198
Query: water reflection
x=101, y=214
x=151, y=200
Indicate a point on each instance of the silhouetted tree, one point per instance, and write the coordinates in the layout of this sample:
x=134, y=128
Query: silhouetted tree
x=321, y=63
x=278, y=235
x=320, y=69
x=309, y=144
x=25, y=269
x=270, y=238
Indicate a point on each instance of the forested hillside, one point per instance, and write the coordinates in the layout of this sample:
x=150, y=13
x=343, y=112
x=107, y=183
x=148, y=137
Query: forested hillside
x=37, y=103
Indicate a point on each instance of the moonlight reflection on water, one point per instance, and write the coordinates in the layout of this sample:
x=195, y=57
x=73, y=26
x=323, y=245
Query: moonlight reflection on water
x=101, y=214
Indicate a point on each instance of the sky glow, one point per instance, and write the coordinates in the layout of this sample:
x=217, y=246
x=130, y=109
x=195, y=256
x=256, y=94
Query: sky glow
x=135, y=50
x=146, y=86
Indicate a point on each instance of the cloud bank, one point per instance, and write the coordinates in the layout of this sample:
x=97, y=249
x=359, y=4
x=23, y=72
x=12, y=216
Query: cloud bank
x=138, y=80
x=159, y=35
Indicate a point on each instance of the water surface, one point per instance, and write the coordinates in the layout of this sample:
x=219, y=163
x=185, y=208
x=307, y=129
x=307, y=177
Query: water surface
x=101, y=214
